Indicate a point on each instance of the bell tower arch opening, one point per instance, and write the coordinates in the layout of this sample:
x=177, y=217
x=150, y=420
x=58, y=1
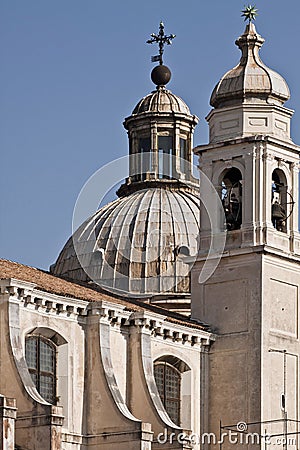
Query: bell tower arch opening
x=280, y=203
x=231, y=195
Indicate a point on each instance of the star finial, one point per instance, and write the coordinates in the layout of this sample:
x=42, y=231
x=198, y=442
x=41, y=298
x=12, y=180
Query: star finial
x=161, y=39
x=250, y=13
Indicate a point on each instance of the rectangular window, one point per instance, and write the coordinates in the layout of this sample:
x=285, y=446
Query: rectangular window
x=165, y=157
x=144, y=155
x=144, y=144
x=183, y=155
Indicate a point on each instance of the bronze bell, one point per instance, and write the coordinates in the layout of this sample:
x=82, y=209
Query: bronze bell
x=277, y=211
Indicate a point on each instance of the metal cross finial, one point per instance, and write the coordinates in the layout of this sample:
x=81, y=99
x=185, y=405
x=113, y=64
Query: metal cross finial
x=161, y=39
x=250, y=13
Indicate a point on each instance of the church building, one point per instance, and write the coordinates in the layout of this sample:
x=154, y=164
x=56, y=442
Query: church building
x=170, y=319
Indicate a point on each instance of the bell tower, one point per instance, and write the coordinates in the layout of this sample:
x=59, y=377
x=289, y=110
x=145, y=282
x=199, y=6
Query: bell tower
x=251, y=159
x=252, y=299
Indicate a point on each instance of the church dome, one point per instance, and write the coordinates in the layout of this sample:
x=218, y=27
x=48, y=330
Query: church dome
x=135, y=243
x=139, y=244
x=251, y=80
x=161, y=101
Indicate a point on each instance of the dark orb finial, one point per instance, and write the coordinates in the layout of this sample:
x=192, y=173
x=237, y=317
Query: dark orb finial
x=161, y=75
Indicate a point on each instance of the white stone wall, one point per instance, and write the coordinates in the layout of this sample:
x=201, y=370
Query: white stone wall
x=280, y=317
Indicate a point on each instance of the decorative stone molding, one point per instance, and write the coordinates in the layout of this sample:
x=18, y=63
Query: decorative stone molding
x=168, y=331
x=28, y=296
x=53, y=416
x=267, y=155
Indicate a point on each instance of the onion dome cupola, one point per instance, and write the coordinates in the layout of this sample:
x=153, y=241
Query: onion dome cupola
x=136, y=246
x=160, y=131
x=248, y=99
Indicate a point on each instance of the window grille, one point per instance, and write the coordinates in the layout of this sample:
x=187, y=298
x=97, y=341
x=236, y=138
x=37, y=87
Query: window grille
x=40, y=354
x=168, y=380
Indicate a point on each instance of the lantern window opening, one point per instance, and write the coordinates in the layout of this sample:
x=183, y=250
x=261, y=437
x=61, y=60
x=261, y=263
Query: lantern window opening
x=183, y=154
x=165, y=157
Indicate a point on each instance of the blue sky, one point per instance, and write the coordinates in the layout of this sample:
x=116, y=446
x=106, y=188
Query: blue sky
x=71, y=71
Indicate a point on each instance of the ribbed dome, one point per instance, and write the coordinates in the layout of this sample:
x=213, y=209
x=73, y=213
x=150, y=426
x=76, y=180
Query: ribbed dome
x=250, y=80
x=162, y=101
x=135, y=243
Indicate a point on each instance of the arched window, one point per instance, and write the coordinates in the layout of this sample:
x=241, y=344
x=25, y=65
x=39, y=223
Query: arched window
x=231, y=186
x=168, y=382
x=40, y=354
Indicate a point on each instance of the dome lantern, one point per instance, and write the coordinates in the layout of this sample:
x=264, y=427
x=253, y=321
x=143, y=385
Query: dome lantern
x=160, y=131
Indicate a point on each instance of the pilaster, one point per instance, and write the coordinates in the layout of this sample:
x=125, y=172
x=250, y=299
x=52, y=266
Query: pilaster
x=107, y=421
x=8, y=414
x=143, y=397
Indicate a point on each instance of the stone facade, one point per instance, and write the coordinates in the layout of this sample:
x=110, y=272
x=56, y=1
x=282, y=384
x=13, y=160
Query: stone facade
x=106, y=393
